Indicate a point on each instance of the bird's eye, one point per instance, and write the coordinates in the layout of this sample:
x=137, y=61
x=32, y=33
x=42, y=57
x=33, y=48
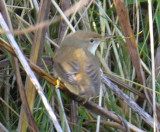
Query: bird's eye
x=91, y=41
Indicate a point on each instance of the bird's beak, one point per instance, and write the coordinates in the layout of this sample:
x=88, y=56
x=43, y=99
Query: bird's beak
x=109, y=36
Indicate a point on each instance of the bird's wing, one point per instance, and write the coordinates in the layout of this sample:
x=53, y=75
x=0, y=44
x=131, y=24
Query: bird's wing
x=93, y=72
x=68, y=70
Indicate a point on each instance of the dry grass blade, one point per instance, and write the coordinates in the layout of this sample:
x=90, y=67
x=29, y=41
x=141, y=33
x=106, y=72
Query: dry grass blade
x=157, y=65
x=37, y=69
x=30, y=74
x=2, y=128
x=31, y=121
x=144, y=115
x=41, y=25
x=125, y=86
x=131, y=42
x=155, y=128
x=35, y=56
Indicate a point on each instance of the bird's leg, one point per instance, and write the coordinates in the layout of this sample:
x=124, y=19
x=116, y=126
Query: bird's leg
x=85, y=100
x=81, y=100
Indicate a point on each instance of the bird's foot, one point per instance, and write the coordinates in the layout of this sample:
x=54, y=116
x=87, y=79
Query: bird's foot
x=58, y=83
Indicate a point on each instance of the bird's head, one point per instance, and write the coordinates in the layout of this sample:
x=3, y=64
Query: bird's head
x=86, y=39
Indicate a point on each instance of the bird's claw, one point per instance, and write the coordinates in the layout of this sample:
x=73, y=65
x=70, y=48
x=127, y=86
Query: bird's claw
x=58, y=83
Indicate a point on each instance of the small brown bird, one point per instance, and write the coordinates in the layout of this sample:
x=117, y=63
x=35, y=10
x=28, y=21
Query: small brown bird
x=76, y=64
